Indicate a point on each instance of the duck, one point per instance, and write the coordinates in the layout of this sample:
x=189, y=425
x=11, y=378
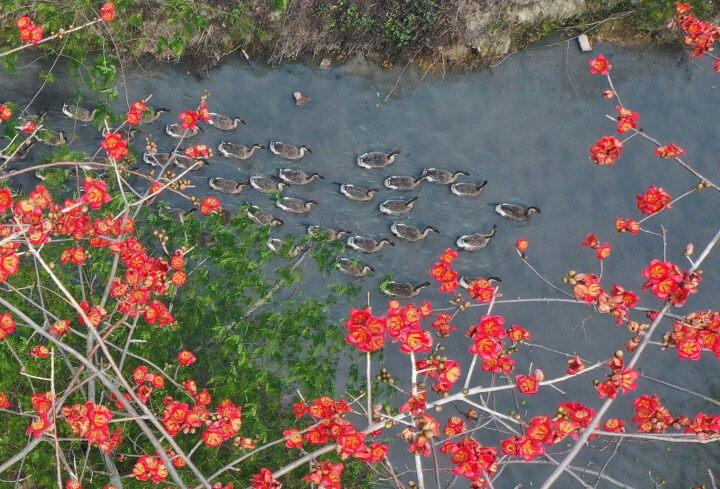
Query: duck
x=223, y=122
x=126, y=134
x=79, y=113
x=395, y=207
x=288, y=151
x=516, y=212
x=20, y=153
x=227, y=186
x=157, y=159
x=353, y=192
x=329, y=233
x=297, y=177
x=402, y=290
x=402, y=182
x=296, y=206
x=475, y=242
x=54, y=138
x=36, y=119
x=376, y=159
x=367, y=245
x=206, y=238
x=265, y=184
x=411, y=233
x=152, y=115
x=438, y=175
x=466, y=281
x=179, y=215
x=186, y=163
x=467, y=189
x=232, y=150
x=300, y=99
x=176, y=131
x=352, y=268
x=262, y=217
x=277, y=245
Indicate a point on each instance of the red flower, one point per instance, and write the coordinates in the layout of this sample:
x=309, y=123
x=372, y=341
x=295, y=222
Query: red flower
x=5, y=112
x=614, y=425
x=265, y=480
x=670, y=151
x=40, y=351
x=179, y=278
x=575, y=365
x=606, y=151
x=681, y=8
x=600, y=65
x=603, y=251
x=115, y=146
x=591, y=241
x=690, y=348
x=295, y=439
x=39, y=426
x=29, y=127
x=36, y=35
x=134, y=117
x=522, y=245
x=95, y=193
x=189, y=119
x=624, y=225
x=4, y=403
x=210, y=204
x=7, y=325
x=655, y=200
x=527, y=384
x=186, y=357
x=326, y=475
x=148, y=467
x=482, y=290
x=139, y=374
x=367, y=332
x=627, y=119
x=108, y=12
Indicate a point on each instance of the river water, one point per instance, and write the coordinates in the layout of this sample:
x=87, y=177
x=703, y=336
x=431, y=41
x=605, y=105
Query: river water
x=525, y=126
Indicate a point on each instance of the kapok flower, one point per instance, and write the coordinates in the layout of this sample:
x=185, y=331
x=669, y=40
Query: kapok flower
x=670, y=151
x=265, y=480
x=527, y=384
x=522, y=245
x=4, y=403
x=575, y=365
x=186, y=357
x=189, y=119
x=606, y=151
x=210, y=204
x=603, y=251
x=40, y=351
x=5, y=113
x=107, y=13
x=624, y=225
x=600, y=65
x=115, y=146
x=627, y=119
x=60, y=328
x=654, y=200
x=7, y=325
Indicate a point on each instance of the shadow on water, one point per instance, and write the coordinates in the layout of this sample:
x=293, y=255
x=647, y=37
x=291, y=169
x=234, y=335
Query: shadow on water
x=525, y=126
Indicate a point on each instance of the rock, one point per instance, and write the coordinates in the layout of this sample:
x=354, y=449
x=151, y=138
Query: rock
x=325, y=63
x=584, y=43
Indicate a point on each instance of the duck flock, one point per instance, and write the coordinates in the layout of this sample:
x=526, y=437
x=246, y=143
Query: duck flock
x=293, y=177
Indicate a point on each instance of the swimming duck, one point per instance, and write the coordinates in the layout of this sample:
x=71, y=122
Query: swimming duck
x=354, y=192
x=179, y=215
x=475, y=242
x=156, y=159
x=297, y=206
x=367, y=245
x=54, y=138
x=300, y=99
x=329, y=233
x=401, y=182
x=411, y=233
x=79, y=113
x=395, y=207
x=36, y=119
x=297, y=177
x=265, y=184
x=20, y=153
x=467, y=189
x=232, y=150
x=438, y=175
x=277, y=245
x=402, y=290
x=176, y=131
x=126, y=134
x=186, y=163
x=376, y=159
x=466, y=281
x=153, y=115
x=223, y=122
x=350, y=267
x=288, y=151
x=262, y=217
x=227, y=186
x=516, y=212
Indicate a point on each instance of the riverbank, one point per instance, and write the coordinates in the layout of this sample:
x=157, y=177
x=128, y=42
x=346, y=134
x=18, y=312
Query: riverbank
x=447, y=34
